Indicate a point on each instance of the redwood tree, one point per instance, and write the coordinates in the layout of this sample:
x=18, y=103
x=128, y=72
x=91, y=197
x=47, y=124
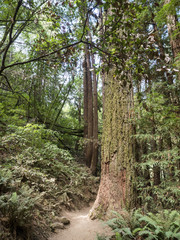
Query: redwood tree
x=117, y=190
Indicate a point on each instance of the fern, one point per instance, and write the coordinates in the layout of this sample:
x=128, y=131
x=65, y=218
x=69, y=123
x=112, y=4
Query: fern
x=149, y=221
x=137, y=225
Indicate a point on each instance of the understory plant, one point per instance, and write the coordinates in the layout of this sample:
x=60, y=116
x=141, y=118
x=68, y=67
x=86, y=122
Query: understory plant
x=157, y=150
x=137, y=225
x=37, y=179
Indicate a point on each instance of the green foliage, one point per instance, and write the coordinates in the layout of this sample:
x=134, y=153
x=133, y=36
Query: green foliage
x=19, y=207
x=136, y=225
x=170, y=8
x=157, y=126
x=10, y=113
x=37, y=178
x=38, y=90
x=102, y=237
x=31, y=135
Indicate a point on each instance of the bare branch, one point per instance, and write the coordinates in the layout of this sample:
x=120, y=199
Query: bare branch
x=12, y=39
x=86, y=20
x=18, y=32
x=4, y=38
x=6, y=78
x=10, y=33
x=40, y=57
x=96, y=47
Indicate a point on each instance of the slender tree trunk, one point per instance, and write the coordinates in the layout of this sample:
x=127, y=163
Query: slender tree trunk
x=172, y=22
x=79, y=106
x=173, y=26
x=102, y=60
x=90, y=112
x=63, y=103
x=85, y=100
x=156, y=167
x=94, y=160
x=168, y=79
x=174, y=35
x=88, y=109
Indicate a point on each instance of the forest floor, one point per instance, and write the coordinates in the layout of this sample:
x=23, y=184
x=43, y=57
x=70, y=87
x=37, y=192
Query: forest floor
x=81, y=227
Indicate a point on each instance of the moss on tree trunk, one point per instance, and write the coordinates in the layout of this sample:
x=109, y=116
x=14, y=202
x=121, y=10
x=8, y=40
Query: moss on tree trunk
x=116, y=190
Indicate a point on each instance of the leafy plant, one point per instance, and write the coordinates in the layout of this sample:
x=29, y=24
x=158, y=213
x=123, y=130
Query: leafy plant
x=158, y=146
x=18, y=206
x=99, y=237
x=36, y=179
x=137, y=225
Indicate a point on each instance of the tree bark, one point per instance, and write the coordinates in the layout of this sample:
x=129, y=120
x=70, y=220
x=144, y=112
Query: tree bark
x=90, y=112
x=174, y=35
x=156, y=167
x=94, y=159
x=116, y=190
x=172, y=22
x=85, y=99
x=88, y=109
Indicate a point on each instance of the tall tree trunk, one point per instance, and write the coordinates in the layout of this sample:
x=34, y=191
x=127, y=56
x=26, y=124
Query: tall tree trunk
x=172, y=25
x=94, y=159
x=116, y=189
x=90, y=112
x=102, y=59
x=85, y=99
x=88, y=109
x=79, y=107
x=64, y=101
x=174, y=35
x=156, y=167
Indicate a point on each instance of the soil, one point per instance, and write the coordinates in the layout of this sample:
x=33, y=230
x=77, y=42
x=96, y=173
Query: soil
x=82, y=227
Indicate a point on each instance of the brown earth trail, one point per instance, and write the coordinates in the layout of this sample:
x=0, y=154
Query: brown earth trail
x=82, y=227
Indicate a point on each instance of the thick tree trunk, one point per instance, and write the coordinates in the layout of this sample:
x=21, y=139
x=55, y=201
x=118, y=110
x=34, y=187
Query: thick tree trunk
x=116, y=189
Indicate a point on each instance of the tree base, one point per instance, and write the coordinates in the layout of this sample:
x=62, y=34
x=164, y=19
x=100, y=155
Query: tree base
x=112, y=196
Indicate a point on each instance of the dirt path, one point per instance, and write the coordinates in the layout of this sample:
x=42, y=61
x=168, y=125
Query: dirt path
x=81, y=227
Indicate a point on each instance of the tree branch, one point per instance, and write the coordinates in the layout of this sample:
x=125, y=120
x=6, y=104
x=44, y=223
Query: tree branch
x=87, y=16
x=11, y=31
x=40, y=57
x=1, y=74
x=18, y=32
x=98, y=48
x=4, y=38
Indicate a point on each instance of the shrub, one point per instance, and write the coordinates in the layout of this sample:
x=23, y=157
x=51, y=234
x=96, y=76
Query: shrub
x=136, y=225
x=36, y=179
x=18, y=206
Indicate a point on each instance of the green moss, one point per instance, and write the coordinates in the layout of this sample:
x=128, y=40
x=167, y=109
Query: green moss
x=99, y=212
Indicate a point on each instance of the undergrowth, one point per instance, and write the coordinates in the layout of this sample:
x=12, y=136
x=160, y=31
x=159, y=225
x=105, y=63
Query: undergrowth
x=138, y=225
x=37, y=179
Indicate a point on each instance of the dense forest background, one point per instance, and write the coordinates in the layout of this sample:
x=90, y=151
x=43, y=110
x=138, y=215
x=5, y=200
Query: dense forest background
x=90, y=89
